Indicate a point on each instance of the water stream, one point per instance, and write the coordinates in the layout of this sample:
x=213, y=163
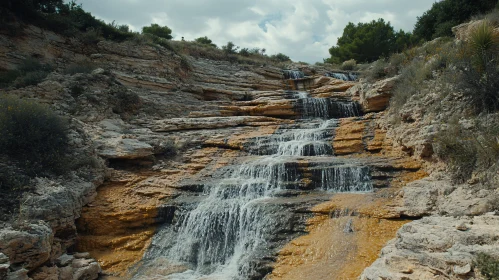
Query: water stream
x=225, y=230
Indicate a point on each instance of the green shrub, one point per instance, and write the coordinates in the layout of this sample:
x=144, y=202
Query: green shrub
x=230, y=48
x=31, y=79
x=280, y=57
x=33, y=136
x=126, y=102
x=477, y=65
x=29, y=72
x=244, y=52
x=468, y=150
x=13, y=183
x=8, y=77
x=457, y=150
x=376, y=71
x=484, y=44
x=488, y=266
x=91, y=36
x=205, y=41
x=153, y=39
x=160, y=31
x=348, y=65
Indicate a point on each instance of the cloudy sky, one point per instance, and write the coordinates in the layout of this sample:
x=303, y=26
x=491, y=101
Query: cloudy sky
x=301, y=29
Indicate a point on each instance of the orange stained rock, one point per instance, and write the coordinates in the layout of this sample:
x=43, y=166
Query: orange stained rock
x=118, y=226
x=280, y=108
x=348, y=136
x=328, y=252
x=241, y=138
x=236, y=141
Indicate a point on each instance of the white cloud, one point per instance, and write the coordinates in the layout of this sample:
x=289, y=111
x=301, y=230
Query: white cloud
x=301, y=29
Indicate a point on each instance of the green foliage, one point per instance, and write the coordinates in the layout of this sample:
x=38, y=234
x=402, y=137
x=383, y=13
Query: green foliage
x=349, y=65
x=456, y=147
x=91, y=36
x=366, y=42
x=32, y=72
x=157, y=30
x=478, y=69
x=280, y=57
x=67, y=19
x=8, y=77
x=29, y=72
x=33, y=136
x=488, y=266
x=484, y=41
x=205, y=41
x=443, y=15
x=13, y=183
x=244, y=52
x=126, y=103
x=165, y=43
x=376, y=71
x=27, y=9
x=230, y=48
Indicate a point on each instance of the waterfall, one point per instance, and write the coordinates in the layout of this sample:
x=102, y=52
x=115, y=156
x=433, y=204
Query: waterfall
x=345, y=179
x=221, y=232
x=325, y=107
x=293, y=74
x=343, y=76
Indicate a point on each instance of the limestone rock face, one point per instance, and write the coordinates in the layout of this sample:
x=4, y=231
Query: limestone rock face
x=71, y=269
x=433, y=196
x=210, y=122
x=434, y=246
x=29, y=247
x=58, y=204
x=125, y=149
x=376, y=97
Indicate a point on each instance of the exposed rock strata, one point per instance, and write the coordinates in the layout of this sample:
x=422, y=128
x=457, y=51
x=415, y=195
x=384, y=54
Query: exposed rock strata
x=436, y=247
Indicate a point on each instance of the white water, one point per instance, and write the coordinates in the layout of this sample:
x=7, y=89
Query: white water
x=220, y=235
x=293, y=74
x=343, y=76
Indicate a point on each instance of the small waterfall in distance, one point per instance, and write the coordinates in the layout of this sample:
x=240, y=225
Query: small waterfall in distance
x=343, y=76
x=293, y=74
x=221, y=232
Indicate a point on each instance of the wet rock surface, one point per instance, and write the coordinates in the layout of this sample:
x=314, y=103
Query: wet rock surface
x=190, y=127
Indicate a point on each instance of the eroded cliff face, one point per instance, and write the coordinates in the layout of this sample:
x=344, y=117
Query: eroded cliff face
x=188, y=122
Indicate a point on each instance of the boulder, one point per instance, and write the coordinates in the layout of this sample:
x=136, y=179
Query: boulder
x=28, y=246
x=377, y=97
x=433, y=247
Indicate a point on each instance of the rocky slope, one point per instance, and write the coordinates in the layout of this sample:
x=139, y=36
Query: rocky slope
x=164, y=123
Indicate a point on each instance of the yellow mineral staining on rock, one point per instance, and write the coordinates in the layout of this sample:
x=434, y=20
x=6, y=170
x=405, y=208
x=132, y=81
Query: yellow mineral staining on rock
x=348, y=136
x=118, y=226
x=274, y=108
x=347, y=233
x=341, y=247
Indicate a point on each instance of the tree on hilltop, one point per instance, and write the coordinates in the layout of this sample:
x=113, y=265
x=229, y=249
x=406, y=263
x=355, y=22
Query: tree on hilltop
x=366, y=42
x=157, y=30
x=443, y=15
x=205, y=41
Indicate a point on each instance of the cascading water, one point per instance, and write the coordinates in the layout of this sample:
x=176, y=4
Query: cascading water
x=343, y=76
x=221, y=234
x=293, y=74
